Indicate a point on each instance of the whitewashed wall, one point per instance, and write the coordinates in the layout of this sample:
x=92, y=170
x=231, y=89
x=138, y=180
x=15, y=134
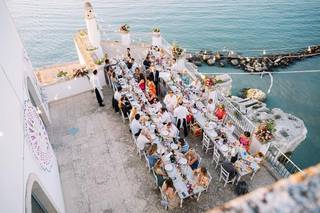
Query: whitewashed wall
x=16, y=160
x=72, y=87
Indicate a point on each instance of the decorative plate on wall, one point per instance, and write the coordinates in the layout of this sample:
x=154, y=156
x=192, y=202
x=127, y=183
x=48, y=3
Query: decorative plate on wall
x=37, y=137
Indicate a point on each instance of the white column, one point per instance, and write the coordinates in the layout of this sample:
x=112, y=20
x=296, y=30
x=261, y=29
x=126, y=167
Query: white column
x=156, y=39
x=94, y=35
x=125, y=39
x=180, y=64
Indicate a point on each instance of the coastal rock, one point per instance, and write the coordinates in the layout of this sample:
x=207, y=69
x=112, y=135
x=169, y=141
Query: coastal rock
x=211, y=61
x=234, y=62
x=233, y=54
x=252, y=93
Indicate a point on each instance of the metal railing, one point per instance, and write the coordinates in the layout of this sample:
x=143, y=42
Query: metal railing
x=166, y=45
x=281, y=163
x=236, y=115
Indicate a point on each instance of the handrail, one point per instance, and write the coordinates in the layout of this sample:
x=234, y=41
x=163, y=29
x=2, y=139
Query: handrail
x=236, y=115
x=282, y=164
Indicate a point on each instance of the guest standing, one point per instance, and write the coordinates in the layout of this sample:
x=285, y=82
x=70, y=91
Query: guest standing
x=97, y=87
x=181, y=113
x=170, y=100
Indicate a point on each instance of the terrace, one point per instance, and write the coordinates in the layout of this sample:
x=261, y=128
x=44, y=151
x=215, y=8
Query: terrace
x=99, y=168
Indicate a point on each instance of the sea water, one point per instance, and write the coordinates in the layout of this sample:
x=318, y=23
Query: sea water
x=246, y=26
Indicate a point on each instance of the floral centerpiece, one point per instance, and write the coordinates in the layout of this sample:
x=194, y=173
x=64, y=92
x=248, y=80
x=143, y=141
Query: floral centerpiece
x=125, y=28
x=209, y=82
x=176, y=51
x=265, y=131
x=80, y=72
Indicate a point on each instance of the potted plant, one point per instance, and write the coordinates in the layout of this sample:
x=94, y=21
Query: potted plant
x=176, y=51
x=125, y=28
x=265, y=131
x=80, y=72
x=156, y=31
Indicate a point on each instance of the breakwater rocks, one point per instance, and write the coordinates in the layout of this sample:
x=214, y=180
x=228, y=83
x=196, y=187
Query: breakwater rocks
x=264, y=63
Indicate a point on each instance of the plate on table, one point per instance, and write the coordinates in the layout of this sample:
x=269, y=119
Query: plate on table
x=224, y=148
x=182, y=161
x=164, y=132
x=174, y=146
x=168, y=168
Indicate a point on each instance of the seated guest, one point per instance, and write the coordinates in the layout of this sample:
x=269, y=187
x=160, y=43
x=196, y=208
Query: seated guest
x=115, y=99
x=184, y=146
x=151, y=97
x=147, y=62
x=171, y=194
x=172, y=130
x=220, y=112
x=230, y=127
x=136, y=74
x=133, y=113
x=156, y=104
x=164, y=115
x=151, y=88
x=170, y=100
x=174, y=66
x=202, y=177
x=133, y=65
x=152, y=154
x=160, y=172
x=210, y=109
x=135, y=126
x=196, y=84
x=128, y=53
x=113, y=78
x=192, y=158
x=244, y=140
x=125, y=106
x=229, y=167
x=143, y=139
x=142, y=85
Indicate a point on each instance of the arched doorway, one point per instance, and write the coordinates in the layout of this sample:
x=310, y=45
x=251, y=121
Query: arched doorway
x=36, y=199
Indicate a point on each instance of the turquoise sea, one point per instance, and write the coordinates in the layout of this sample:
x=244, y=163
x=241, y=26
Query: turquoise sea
x=247, y=26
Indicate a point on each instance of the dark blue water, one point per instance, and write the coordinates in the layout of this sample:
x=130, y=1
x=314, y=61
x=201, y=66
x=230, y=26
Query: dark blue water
x=248, y=26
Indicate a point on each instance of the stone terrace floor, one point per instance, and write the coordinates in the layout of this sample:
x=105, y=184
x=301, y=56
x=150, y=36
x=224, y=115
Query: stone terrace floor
x=99, y=168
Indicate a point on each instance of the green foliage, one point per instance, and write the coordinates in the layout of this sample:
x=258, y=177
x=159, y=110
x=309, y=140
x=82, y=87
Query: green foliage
x=156, y=30
x=62, y=74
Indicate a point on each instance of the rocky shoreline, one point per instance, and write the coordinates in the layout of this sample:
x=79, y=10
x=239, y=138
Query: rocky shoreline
x=264, y=63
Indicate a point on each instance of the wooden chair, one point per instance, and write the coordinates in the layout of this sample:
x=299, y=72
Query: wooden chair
x=206, y=142
x=147, y=161
x=164, y=197
x=224, y=175
x=135, y=143
x=216, y=157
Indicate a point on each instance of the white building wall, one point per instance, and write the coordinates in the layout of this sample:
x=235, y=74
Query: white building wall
x=16, y=159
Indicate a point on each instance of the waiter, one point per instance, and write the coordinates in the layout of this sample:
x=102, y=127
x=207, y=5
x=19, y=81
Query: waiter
x=97, y=88
x=181, y=113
